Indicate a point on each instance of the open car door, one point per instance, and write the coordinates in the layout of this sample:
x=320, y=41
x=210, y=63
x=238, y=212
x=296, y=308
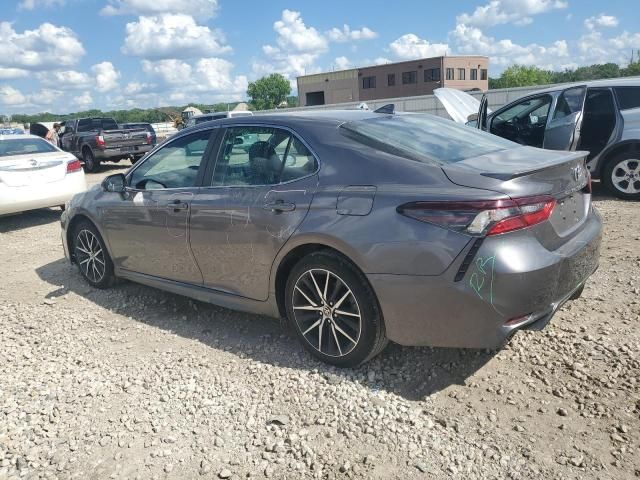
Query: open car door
x=563, y=129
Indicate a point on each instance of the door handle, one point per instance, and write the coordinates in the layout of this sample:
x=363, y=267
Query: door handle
x=279, y=206
x=177, y=205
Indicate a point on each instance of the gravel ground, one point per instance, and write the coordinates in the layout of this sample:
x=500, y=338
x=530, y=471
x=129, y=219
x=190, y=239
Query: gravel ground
x=136, y=383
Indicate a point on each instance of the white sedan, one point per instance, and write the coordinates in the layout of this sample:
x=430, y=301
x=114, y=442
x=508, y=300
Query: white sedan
x=36, y=174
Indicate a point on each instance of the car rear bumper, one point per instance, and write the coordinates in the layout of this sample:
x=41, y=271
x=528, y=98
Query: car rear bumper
x=512, y=283
x=20, y=199
x=117, y=153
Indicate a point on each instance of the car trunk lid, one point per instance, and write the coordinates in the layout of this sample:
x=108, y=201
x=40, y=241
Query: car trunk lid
x=527, y=172
x=33, y=170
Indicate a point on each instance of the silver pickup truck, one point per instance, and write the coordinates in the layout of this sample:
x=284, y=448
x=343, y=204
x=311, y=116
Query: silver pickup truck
x=99, y=139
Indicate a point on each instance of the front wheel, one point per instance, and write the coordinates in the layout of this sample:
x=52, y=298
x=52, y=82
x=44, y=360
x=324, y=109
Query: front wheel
x=334, y=310
x=621, y=176
x=91, y=256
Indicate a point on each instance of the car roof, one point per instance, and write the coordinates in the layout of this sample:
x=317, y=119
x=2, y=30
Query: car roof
x=608, y=82
x=19, y=136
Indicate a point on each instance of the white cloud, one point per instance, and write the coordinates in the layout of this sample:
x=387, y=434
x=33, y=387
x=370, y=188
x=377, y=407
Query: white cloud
x=342, y=63
x=471, y=40
x=298, y=48
x=172, y=36
x=68, y=79
x=11, y=96
x=410, y=46
x=171, y=71
x=32, y=4
x=198, y=8
x=346, y=34
x=601, y=20
x=10, y=73
x=46, y=47
x=519, y=12
x=106, y=76
x=83, y=101
x=594, y=47
x=293, y=34
x=207, y=79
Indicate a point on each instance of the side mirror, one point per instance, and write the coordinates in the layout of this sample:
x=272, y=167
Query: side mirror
x=114, y=183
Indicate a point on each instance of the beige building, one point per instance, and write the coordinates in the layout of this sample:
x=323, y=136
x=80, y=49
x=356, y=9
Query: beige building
x=402, y=79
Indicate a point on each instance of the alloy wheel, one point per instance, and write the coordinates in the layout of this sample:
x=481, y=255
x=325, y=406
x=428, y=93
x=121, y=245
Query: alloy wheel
x=625, y=176
x=327, y=312
x=90, y=256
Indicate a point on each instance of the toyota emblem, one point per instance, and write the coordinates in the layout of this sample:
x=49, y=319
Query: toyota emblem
x=33, y=162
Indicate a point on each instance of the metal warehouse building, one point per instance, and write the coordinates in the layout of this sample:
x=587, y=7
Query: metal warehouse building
x=402, y=79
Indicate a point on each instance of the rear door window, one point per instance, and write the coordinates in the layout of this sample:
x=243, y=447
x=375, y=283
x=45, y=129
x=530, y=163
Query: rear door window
x=628, y=97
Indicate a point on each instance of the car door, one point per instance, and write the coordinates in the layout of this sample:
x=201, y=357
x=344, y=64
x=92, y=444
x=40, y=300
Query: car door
x=147, y=226
x=260, y=191
x=523, y=122
x=563, y=128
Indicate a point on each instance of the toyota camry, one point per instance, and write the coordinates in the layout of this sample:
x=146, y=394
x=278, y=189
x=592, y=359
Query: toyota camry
x=358, y=227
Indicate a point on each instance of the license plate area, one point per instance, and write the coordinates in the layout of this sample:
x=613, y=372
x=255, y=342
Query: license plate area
x=570, y=212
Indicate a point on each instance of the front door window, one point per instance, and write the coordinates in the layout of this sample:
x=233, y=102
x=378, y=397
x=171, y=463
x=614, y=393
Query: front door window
x=523, y=122
x=176, y=165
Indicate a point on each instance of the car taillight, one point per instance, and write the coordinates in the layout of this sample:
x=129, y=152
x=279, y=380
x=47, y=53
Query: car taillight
x=74, y=166
x=482, y=217
x=100, y=141
x=148, y=138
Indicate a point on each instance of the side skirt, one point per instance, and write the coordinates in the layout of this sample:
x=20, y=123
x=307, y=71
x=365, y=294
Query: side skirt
x=204, y=294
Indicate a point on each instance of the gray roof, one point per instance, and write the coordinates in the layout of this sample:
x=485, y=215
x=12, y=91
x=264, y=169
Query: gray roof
x=608, y=82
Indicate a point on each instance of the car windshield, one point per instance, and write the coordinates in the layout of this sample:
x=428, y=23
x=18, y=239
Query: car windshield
x=24, y=146
x=424, y=137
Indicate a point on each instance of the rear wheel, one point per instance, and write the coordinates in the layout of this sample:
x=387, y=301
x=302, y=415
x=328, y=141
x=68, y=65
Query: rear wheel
x=334, y=310
x=90, y=163
x=621, y=175
x=91, y=256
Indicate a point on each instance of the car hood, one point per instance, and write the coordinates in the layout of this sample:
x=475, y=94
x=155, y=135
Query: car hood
x=458, y=104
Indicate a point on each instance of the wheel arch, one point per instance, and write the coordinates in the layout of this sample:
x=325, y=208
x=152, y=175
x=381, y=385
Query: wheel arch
x=75, y=220
x=288, y=261
x=632, y=145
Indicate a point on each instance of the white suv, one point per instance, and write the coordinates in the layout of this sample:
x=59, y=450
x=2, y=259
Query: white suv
x=602, y=117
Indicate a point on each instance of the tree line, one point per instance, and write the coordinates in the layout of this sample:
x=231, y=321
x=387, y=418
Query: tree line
x=523, y=76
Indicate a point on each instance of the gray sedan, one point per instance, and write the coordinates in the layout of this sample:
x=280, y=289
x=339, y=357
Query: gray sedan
x=358, y=227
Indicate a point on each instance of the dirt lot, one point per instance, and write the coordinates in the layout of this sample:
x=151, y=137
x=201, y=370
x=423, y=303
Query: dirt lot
x=136, y=383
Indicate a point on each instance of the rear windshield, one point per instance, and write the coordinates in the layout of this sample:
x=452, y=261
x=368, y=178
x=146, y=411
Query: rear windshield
x=24, y=146
x=424, y=137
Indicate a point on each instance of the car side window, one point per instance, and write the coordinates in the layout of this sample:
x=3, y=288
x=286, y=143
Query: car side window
x=175, y=165
x=251, y=156
x=628, y=97
x=524, y=122
x=569, y=102
x=299, y=162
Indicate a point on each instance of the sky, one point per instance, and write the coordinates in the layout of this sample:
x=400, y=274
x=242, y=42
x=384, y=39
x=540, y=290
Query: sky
x=69, y=55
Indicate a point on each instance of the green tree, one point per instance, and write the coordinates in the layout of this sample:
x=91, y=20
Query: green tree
x=268, y=92
x=522, y=76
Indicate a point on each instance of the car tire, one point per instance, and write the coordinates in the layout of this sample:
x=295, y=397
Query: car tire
x=91, y=255
x=623, y=172
x=90, y=163
x=343, y=327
